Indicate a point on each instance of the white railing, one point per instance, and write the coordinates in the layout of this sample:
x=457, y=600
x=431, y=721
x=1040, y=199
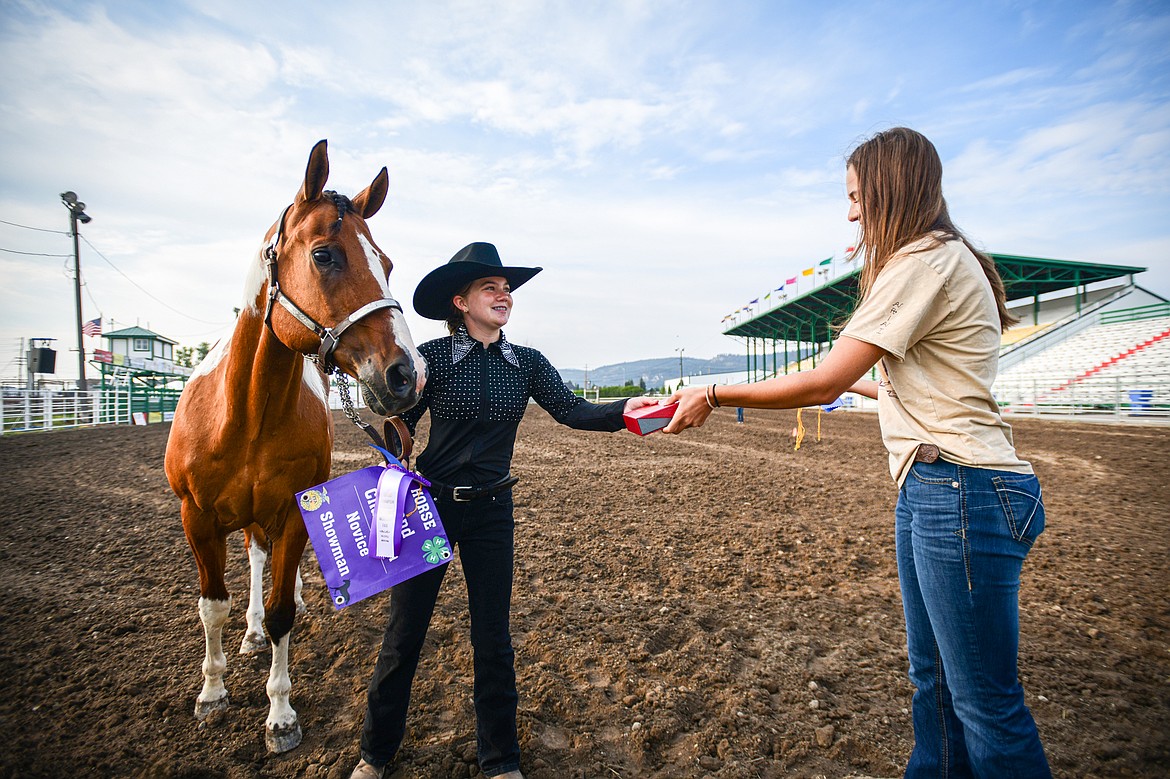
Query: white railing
x=1134, y=396
x=1144, y=394
x=25, y=410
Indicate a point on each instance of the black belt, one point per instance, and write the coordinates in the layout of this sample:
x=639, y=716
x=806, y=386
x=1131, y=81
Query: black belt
x=475, y=492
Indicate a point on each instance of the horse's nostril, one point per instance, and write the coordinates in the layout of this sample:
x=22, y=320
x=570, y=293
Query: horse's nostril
x=400, y=379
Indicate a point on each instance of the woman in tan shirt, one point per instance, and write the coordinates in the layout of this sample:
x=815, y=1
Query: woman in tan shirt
x=969, y=509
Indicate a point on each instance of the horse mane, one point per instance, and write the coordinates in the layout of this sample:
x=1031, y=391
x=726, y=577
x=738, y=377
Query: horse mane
x=343, y=203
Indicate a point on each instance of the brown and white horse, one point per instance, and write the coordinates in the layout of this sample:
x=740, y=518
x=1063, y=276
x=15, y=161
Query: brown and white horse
x=253, y=425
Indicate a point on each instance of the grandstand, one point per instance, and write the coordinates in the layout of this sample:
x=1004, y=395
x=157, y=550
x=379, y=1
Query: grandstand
x=1090, y=341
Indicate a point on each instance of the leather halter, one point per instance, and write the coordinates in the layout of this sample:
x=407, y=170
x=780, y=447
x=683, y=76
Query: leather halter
x=330, y=336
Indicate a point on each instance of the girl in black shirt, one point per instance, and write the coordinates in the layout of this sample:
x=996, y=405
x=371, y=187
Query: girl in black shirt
x=477, y=391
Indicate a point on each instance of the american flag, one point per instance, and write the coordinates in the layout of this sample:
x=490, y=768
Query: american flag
x=92, y=327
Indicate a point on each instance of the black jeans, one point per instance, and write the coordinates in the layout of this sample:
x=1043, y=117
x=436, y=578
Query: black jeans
x=482, y=531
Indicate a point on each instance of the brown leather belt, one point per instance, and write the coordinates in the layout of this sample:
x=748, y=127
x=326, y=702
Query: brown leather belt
x=926, y=453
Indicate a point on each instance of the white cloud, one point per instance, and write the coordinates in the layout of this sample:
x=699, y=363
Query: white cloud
x=666, y=163
x=1108, y=148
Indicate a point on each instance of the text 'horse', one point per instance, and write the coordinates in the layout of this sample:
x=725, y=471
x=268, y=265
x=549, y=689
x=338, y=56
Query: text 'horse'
x=253, y=426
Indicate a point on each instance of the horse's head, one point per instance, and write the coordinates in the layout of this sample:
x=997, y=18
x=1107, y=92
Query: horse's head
x=320, y=254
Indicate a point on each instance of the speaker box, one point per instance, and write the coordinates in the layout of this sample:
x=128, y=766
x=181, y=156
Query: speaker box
x=42, y=360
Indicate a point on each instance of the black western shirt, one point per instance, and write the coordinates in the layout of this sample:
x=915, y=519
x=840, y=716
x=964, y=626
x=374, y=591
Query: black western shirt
x=477, y=398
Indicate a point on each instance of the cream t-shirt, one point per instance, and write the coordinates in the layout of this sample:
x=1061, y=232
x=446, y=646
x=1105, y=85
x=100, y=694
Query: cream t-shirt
x=932, y=309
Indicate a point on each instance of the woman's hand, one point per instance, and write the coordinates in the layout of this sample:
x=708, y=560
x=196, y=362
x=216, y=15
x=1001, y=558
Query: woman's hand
x=692, y=410
x=634, y=403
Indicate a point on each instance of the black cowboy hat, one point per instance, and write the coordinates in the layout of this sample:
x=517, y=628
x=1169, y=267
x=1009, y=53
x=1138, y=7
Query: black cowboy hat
x=432, y=297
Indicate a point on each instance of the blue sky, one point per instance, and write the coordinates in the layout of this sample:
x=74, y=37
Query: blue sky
x=665, y=162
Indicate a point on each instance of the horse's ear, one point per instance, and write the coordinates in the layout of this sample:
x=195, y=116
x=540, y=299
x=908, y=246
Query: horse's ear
x=370, y=199
x=317, y=172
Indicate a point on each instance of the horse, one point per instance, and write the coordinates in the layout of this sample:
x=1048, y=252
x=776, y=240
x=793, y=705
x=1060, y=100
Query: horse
x=253, y=425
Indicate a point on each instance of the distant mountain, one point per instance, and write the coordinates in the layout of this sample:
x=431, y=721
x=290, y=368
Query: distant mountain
x=654, y=371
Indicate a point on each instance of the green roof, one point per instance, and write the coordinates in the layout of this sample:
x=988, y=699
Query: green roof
x=810, y=317
x=137, y=332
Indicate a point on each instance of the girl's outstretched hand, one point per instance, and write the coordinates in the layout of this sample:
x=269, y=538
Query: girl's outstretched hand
x=639, y=402
x=693, y=409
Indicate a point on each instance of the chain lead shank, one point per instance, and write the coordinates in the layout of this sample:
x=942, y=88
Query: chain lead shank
x=351, y=412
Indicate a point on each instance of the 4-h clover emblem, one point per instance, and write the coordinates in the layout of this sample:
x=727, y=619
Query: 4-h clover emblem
x=436, y=550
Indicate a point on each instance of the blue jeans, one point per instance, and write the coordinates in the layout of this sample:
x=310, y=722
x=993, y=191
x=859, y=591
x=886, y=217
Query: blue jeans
x=962, y=535
x=482, y=531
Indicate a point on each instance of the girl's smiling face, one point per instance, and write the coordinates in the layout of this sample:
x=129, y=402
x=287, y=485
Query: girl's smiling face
x=487, y=304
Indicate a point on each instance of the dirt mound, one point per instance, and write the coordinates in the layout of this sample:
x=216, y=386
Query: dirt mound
x=716, y=604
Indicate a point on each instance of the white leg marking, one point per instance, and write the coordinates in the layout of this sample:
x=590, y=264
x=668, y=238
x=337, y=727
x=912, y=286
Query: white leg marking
x=254, y=641
x=301, y=607
x=214, y=695
x=282, y=731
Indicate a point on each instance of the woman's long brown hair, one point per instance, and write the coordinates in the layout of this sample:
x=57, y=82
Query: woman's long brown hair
x=899, y=177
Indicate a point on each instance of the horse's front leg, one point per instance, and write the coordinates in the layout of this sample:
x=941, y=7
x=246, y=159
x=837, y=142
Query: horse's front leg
x=213, y=696
x=254, y=641
x=210, y=551
x=282, y=730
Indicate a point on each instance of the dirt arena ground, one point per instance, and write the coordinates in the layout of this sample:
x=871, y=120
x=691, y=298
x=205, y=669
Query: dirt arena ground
x=710, y=605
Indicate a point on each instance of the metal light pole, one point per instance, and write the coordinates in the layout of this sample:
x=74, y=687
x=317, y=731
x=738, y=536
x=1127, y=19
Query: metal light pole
x=680, y=366
x=77, y=214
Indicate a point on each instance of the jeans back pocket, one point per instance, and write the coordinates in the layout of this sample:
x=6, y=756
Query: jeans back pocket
x=1023, y=505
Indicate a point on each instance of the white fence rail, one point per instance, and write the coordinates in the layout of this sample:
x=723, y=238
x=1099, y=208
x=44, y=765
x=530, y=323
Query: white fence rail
x=24, y=410
x=1145, y=395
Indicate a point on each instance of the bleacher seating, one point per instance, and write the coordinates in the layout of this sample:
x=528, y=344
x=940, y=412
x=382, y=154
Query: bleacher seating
x=1088, y=349
x=1101, y=365
x=1119, y=366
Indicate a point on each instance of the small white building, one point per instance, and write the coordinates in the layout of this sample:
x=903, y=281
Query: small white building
x=140, y=343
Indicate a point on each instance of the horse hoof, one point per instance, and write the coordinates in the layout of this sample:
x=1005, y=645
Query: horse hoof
x=203, y=708
x=282, y=738
x=253, y=644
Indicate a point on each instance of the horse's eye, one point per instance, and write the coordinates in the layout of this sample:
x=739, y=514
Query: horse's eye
x=322, y=257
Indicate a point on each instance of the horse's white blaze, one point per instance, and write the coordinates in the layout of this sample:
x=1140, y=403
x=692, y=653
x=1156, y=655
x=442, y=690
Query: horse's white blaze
x=280, y=712
x=254, y=636
x=401, y=331
x=375, y=261
x=213, y=613
x=312, y=379
x=406, y=342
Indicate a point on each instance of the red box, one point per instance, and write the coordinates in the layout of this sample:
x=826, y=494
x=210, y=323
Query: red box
x=647, y=419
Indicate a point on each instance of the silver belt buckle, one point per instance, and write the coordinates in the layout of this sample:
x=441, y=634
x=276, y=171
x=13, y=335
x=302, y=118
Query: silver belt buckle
x=457, y=492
